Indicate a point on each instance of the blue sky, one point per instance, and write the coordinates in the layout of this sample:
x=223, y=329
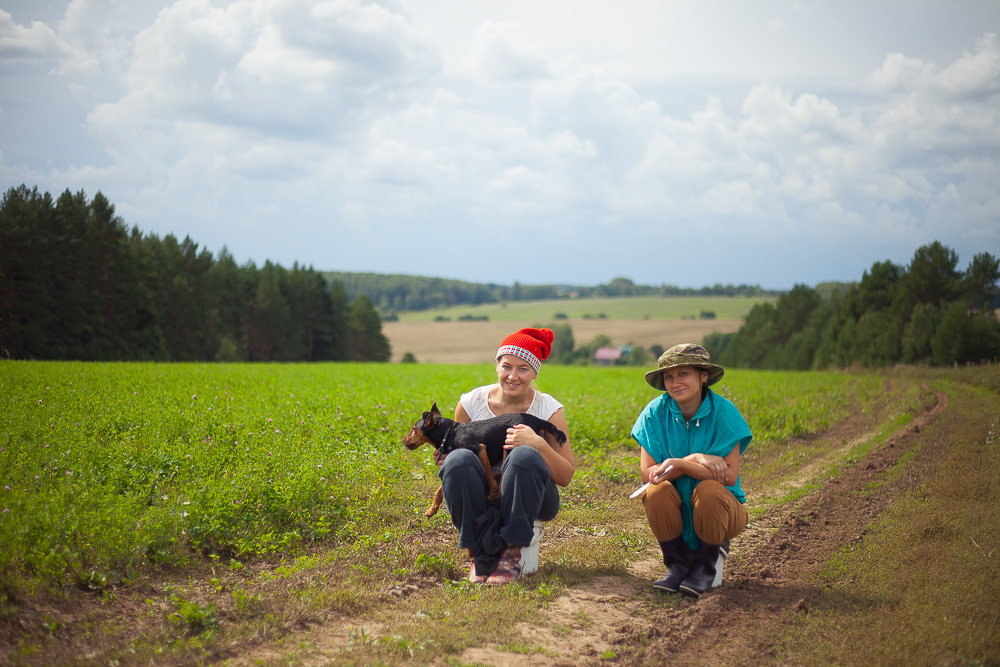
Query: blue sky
x=678, y=142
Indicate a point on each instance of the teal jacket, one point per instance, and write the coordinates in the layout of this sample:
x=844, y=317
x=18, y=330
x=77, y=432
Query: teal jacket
x=715, y=429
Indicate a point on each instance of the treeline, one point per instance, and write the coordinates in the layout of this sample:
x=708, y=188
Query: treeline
x=398, y=293
x=394, y=293
x=625, y=287
x=928, y=312
x=76, y=283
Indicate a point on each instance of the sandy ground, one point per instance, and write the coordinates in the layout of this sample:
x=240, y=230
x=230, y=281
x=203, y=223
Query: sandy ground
x=476, y=342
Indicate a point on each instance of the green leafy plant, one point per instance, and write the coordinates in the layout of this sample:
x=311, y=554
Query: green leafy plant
x=197, y=618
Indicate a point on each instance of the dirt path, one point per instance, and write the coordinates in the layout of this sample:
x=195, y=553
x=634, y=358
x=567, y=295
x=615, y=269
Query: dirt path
x=770, y=573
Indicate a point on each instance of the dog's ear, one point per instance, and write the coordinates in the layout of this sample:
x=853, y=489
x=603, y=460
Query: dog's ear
x=434, y=409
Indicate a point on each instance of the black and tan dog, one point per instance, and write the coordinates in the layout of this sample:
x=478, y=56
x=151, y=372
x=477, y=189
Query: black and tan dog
x=485, y=438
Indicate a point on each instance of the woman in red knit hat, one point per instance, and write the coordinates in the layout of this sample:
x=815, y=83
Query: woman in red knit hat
x=532, y=468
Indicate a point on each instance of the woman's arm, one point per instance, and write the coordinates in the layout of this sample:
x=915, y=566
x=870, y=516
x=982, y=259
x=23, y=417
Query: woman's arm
x=649, y=468
x=461, y=416
x=725, y=469
x=653, y=471
x=558, y=459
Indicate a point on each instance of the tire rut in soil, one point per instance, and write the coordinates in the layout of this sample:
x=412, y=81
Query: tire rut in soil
x=766, y=579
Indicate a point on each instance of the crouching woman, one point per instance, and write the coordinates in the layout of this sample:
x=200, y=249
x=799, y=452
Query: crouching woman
x=691, y=440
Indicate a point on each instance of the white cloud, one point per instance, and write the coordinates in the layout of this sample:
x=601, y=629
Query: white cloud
x=975, y=73
x=34, y=43
x=96, y=29
x=500, y=52
x=228, y=120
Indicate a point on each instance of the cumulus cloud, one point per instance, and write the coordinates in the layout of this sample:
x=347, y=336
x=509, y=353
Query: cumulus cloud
x=500, y=52
x=329, y=114
x=34, y=43
x=974, y=73
x=260, y=92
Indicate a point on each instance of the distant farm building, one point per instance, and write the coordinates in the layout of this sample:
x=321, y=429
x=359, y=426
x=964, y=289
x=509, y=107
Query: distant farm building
x=607, y=356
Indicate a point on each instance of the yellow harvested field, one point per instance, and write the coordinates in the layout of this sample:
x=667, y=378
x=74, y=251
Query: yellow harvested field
x=477, y=342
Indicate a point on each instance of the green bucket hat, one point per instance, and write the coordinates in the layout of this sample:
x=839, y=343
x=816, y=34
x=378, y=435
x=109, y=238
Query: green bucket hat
x=685, y=354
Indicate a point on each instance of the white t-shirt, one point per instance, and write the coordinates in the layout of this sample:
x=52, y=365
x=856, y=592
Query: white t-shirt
x=477, y=406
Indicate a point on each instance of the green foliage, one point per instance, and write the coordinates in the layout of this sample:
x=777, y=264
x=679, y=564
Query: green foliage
x=562, y=344
x=933, y=276
x=962, y=337
x=368, y=341
x=196, y=618
x=256, y=433
x=112, y=470
x=637, y=356
x=980, y=280
x=918, y=332
x=77, y=284
x=892, y=315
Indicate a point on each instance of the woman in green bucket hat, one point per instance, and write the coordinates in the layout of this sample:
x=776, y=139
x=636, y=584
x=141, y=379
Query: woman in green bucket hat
x=691, y=440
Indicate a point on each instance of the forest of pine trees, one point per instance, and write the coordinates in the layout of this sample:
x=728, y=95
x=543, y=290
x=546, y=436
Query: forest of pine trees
x=393, y=293
x=928, y=312
x=76, y=283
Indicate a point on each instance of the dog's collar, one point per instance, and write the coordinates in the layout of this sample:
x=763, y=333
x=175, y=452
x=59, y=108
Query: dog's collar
x=444, y=440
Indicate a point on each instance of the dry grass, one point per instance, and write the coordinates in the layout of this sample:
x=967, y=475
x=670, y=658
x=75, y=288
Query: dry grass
x=921, y=588
x=476, y=342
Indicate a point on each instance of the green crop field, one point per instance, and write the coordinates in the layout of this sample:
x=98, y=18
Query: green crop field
x=111, y=469
x=627, y=308
x=202, y=509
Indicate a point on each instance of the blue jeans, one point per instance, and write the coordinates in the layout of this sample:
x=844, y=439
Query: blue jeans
x=526, y=488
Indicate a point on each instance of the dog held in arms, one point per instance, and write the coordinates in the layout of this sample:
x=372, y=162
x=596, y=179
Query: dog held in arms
x=485, y=438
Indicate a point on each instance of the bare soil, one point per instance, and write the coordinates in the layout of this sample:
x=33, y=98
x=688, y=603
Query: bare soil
x=476, y=342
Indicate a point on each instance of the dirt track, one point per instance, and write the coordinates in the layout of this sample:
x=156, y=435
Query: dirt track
x=770, y=572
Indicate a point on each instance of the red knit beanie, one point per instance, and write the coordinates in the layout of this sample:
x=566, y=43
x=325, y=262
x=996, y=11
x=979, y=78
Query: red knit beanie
x=532, y=345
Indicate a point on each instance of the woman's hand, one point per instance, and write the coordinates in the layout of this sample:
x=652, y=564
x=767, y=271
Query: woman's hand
x=522, y=435
x=659, y=469
x=718, y=467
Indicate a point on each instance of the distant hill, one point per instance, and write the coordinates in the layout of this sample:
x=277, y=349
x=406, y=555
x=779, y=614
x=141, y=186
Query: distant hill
x=580, y=309
x=397, y=293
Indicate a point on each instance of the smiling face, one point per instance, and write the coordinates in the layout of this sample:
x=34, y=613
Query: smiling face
x=684, y=384
x=515, y=374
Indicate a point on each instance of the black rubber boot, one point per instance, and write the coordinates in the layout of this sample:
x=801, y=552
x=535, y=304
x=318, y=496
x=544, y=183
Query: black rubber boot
x=702, y=570
x=677, y=558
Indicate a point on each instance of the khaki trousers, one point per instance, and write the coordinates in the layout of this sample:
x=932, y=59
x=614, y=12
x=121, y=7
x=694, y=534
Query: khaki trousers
x=718, y=515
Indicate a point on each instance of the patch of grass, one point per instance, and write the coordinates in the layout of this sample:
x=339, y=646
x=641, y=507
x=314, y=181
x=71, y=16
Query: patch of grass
x=446, y=623
x=922, y=587
x=522, y=648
